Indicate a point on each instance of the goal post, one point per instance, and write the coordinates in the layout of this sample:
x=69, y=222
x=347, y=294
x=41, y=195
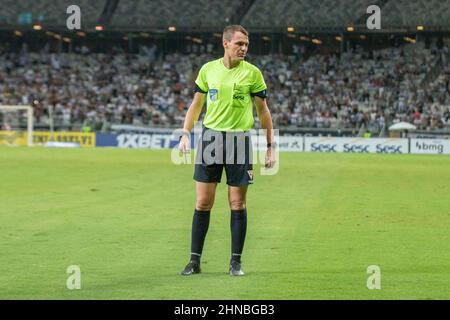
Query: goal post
x=10, y=122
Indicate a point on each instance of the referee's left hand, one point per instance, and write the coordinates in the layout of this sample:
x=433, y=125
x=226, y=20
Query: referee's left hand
x=270, y=158
x=184, y=146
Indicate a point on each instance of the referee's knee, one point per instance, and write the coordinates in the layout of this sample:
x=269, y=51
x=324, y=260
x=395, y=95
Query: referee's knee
x=237, y=205
x=203, y=205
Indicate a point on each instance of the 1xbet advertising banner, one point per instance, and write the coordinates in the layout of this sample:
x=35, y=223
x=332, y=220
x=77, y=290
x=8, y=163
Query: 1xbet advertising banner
x=356, y=145
x=152, y=141
x=106, y=140
x=137, y=140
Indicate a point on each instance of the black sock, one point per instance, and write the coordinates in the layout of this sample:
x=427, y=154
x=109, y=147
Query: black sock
x=200, y=224
x=238, y=226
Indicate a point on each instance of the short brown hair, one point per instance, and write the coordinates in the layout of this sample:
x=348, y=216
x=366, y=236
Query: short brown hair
x=229, y=31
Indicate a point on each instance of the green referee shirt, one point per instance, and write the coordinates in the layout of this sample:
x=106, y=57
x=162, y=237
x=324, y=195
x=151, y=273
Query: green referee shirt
x=229, y=103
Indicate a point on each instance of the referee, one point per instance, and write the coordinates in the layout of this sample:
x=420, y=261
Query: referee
x=229, y=85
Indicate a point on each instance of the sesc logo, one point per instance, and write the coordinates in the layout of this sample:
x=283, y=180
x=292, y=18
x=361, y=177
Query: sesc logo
x=356, y=148
x=389, y=149
x=318, y=147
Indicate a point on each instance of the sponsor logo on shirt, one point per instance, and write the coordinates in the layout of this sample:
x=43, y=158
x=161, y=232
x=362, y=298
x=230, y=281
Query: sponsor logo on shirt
x=213, y=94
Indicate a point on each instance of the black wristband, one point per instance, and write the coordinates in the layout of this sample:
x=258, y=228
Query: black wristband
x=272, y=145
x=185, y=133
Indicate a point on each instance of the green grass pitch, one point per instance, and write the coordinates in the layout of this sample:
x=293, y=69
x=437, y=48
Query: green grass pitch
x=124, y=217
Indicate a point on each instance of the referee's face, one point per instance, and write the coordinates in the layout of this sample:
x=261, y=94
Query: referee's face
x=237, y=47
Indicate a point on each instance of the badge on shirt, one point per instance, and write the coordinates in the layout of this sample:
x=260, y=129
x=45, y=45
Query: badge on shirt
x=213, y=93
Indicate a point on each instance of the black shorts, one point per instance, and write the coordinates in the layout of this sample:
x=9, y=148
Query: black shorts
x=217, y=150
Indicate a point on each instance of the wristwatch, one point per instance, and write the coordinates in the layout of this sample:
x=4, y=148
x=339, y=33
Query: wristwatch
x=272, y=145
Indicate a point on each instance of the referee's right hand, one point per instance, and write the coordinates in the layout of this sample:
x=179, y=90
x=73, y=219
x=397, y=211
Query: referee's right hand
x=185, y=145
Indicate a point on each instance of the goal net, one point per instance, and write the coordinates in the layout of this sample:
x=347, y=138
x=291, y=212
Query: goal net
x=16, y=125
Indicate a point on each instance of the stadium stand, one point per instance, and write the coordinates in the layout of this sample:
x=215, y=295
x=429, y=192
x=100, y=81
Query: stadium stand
x=356, y=88
x=322, y=91
x=215, y=14
x=308, y=13
x=48, y=13
x=346, y=87
x=402, y=13
x=339, y=14
x=160, y=14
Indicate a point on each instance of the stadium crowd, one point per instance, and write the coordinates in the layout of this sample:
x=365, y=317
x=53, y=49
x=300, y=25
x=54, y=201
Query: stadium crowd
x=323, y=91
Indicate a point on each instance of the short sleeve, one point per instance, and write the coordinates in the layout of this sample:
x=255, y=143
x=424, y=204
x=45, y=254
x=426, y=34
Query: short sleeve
x=258, y=83
x=201, y=79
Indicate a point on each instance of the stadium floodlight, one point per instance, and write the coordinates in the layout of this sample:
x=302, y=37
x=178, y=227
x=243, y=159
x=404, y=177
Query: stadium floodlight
x=12, y=117
x=350, y=28
x=420, y=28
x=99, y=28
x=339, y=38
x=37, y=27
x=290, y=29
x=17, y=33
x=172, y=29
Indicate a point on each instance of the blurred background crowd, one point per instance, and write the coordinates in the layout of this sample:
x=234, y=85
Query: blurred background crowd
x=138, y=75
